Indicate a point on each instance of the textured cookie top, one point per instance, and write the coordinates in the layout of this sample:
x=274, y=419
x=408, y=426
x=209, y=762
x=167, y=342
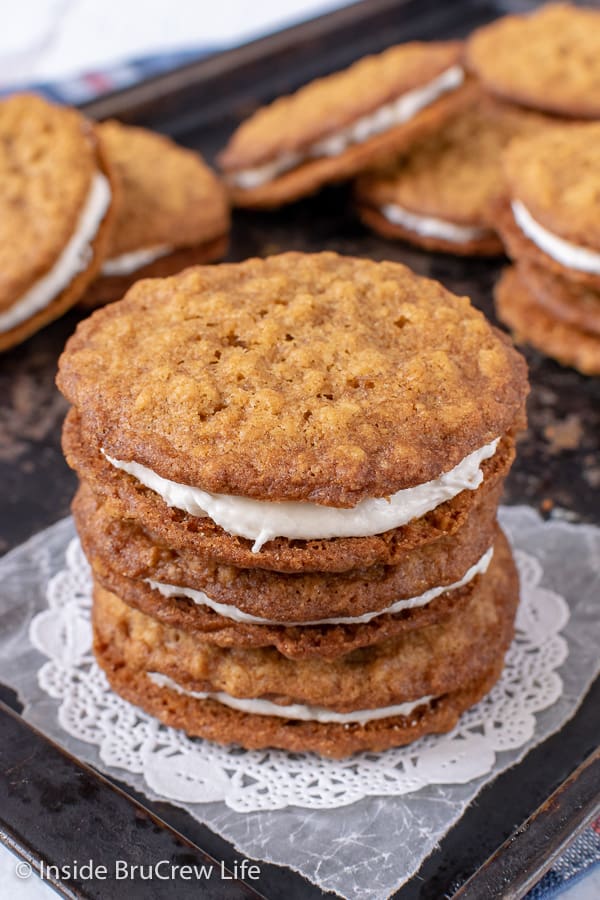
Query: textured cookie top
x=170, y=196
x=47, y=161
x=556, y=176
x=456, y=172
x=299, y=377
x=549, y=59
x=324, y=106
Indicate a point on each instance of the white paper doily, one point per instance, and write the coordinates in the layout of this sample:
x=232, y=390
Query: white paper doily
x=364, y=851
x=196, y=771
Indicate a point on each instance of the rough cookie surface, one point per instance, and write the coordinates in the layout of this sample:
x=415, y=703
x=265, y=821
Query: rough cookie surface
x=530, y=322
x=170, y=196
x=328, y=104
x=302, y=377
x=48, y=157
x=456, y=172
x=549, y=60
x=556, y=176
x=463, y=647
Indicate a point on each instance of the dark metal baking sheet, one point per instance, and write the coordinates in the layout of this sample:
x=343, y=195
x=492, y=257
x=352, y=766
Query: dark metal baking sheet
x=199, y=105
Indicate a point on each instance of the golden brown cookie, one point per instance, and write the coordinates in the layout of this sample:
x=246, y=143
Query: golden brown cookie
x=473, y=242
x=266, y=380
x=438, y=195
x=174, y=211
x=325, y=641
x=121, y=547
x=522, y=250
x=127, y=498
x=468, y=649
x=568, y=301
x=518, y=307
x=548, y=59
x=215, y=722
x=57, y=203
x=550, y=217
x=341, y=124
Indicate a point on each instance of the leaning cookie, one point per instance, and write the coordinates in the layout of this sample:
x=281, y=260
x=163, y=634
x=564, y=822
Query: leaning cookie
x=438, y=195
x=335, y=127
x=519, y=308
x=57, y=194
x=174, y=211
x=551, y=214
x=548, y=60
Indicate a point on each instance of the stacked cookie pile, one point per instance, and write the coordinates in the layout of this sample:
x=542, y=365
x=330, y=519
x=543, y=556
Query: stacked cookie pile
x=289, y=506
x=548, y=220
x=424, y=129
x=424, y=126
x=87, y=209
x=551, y=228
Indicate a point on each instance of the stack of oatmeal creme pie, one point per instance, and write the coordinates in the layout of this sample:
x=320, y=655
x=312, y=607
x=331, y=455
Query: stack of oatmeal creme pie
x=550, y=297
x=549, y=61
x=289, y=476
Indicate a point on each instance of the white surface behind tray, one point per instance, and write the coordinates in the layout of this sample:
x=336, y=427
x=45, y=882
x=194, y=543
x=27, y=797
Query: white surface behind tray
x=47, y=40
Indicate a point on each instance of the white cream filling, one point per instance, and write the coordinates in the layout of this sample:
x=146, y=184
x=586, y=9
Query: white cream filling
x=74, y=258
x=294, y=710
x=429, y=226
x=261, y=521
x=571, y=255
x=382, y=119
x=127, y=263
x=231, y=612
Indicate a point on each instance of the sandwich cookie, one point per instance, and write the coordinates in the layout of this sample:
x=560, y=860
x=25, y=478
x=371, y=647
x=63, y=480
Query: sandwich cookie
x=550, y=217
x=519, y=307
x=548, y=59
x=377, y=697
x=438, y=579
x=174, y=211
x=335, y=127
x=121, y=547
x=57, y=204
x=289, y=505
x=438, y=195
x=300, y=426
x=128, y=498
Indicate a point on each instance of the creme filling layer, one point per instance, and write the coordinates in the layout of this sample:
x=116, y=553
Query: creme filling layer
x=382, y=119
x=261, y=521
x=130, y=262
x=293, y=710
x=429, y=226
x=567, y=254
x=74, y=258
x=232, y=612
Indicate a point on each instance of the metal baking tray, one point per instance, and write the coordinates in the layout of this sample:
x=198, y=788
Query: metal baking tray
x=53, y=807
